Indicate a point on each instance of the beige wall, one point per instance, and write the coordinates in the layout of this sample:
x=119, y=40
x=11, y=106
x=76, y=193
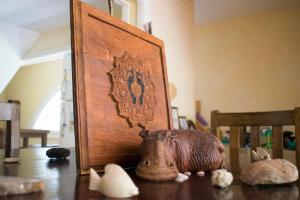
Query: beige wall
x=133, y=12
x=33, y=85
x=2, y=96
x=250, y=63
x=173, y=22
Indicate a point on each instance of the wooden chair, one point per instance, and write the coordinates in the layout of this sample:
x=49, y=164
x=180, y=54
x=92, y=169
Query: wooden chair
x=276, y=119
x=10, y=113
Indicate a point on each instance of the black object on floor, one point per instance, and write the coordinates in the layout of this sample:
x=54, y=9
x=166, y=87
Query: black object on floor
x=58, y=153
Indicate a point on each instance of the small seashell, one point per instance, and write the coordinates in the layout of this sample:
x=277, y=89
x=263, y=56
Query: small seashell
x=201, y=173
x=114, y=177
x=16, y=185
x=221, y=178
x=181, y=178
x=187, y=173
x=260, y=154
x=11, y=160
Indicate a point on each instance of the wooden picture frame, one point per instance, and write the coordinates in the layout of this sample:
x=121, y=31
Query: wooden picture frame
x=183, y=122
x=175, y=115
x=105, y=130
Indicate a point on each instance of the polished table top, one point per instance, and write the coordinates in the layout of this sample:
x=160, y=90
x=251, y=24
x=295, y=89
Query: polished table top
x=62, y=183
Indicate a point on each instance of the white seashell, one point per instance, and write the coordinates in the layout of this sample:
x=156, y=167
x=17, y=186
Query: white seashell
x=187, y=173
x=115, y=182
x=221, y=178
x=11, y=160
x=181, y=178
x=260, y=154
x=201, y=173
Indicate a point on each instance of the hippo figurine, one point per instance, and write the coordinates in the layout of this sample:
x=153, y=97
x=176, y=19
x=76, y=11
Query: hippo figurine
x=165, y=153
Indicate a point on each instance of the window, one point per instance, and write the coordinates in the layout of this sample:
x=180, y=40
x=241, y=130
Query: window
x=49, y=117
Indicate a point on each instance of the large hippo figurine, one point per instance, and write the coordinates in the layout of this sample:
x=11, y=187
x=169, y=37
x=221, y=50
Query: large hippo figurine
x=165, y=153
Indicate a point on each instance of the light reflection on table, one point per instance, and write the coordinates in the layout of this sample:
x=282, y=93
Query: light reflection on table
x=62, y=182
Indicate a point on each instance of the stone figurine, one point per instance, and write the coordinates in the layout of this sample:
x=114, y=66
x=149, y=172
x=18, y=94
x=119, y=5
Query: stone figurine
x=58, y=153
x=165, y=153
x=269, y=172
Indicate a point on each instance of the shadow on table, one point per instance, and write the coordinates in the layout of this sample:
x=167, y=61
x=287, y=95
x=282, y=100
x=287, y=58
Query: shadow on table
x=278, y=192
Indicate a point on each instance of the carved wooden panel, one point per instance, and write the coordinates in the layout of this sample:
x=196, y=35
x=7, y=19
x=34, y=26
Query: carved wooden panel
x=120, y=85
x=133, y=90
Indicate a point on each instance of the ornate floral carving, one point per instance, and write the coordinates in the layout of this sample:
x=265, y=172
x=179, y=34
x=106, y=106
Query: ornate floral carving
x=133, y=90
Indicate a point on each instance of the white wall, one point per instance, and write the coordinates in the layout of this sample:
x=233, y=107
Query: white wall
x=14, y=41
x=49, y=43
x=19, y=46
x=173, y=22
x=10, y=62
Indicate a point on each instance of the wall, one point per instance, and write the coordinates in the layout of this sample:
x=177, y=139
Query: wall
x=33, y=85
x=249, y=63
x=49, y=43
x=2, y=96
x=14, y=42
x=173, y=22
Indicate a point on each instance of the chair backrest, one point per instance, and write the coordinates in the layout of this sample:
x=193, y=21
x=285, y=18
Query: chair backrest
x=276, y=119
x=10, y=113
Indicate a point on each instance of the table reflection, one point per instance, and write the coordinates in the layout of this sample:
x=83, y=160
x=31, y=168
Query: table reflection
x=62, y=182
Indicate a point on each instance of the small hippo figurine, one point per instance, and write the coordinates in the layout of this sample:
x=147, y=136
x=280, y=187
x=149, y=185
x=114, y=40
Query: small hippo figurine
x=165, y=153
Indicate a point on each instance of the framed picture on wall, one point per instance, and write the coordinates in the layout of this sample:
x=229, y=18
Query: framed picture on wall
x=147, y=27
x=183, y=122
x=175, y=118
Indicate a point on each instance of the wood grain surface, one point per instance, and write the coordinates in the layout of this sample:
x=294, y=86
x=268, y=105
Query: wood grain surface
x=61, y=182
x=102, y=135
x=276, y=119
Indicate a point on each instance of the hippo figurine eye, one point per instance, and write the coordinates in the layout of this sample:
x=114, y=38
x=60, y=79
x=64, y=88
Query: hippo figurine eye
x=147, y=162
x=171, y=164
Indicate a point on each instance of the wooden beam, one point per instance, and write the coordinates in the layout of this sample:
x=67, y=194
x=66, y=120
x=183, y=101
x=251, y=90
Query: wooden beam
x=297, y=134
x=242, y=136
x=277, y=142
x=234, y=149
x=214, y=122
x=256, y=118
x=255, y=138
x=12, y=144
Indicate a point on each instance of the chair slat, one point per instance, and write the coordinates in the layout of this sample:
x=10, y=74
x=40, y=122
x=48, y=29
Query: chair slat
x=277, y=142
x=276, y=119
x=214, y=122
x=234, y=149
x=255, y=138
x=297, y=134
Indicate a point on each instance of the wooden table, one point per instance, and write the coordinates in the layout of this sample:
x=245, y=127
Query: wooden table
x=62, y=183
x=30, y=133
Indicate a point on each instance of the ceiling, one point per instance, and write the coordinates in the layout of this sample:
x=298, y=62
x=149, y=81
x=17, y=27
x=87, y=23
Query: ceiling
x=54, y=14
x=40, y=15
x=208, y=11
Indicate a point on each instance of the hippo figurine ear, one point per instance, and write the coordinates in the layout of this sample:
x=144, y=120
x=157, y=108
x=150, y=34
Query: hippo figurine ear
x=144, y=133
